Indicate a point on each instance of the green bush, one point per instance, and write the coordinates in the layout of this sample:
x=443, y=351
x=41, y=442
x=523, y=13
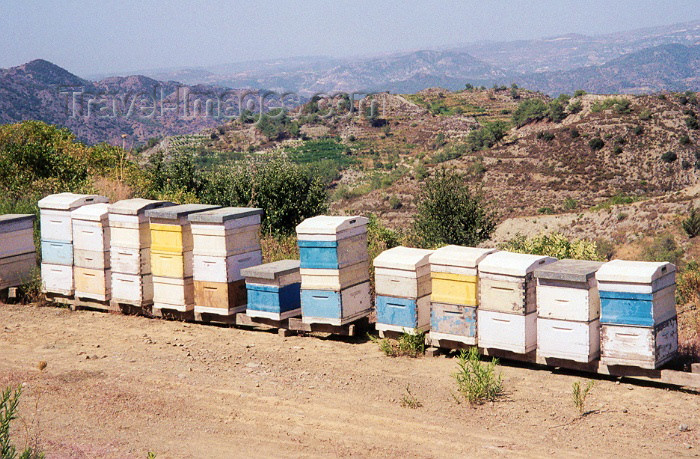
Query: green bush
x=570, y=203
x=545, y=135
x=596, y=143
x=9, y=403
x=684, y=140
x=692, y=123
x=574, y=107
x=619, y=104
x=450, y=212
x=489, y=134
x=477, y=381
x=669, y=157
x=554, y=245
x=530, y=110
x=663, y=248
x=579, y=93
x=579, y=395
x=691, y=225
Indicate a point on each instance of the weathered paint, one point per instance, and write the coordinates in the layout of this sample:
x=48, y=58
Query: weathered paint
x=129, y=231
x=644, y=347
x=92, y=283
x=90, y=259
x=14, y=271
x=564, y=300
x=128, y=260
x=453, y=319
x=403, y=312
x=170, y=238
x=274, y=299
x=510, y=332
x=132, y=288
x=173, y=293
x=223, y=295
x=57, y=252
x=335, y=305
x=509, y=294
x=88, y=235
x=570, y=340
x=333, y=254
x=454, y=288
x=16, y=242
x=224, y=269
x=641, y=309
x=335, y=279
x=389, y=282
x=216, y=241
x=57, y=278
x=168, y=264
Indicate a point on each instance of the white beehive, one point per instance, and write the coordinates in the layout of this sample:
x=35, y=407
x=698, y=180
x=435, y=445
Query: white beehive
x=511, y=332
x=128, y=222
x=55, y=213
x=226, y=231
x=402, y=272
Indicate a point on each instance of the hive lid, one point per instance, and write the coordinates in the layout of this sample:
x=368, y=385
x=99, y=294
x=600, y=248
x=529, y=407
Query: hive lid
x=635, y=272
x=406, y=258
x=136, y=206
x=91, y=212
x=272, y=270
x=69, y=201
x=513, y=264
x=224, y=214
x=175, y=212
x=14, y=218
x=569, y=270
x=457, y=255
x=330, y=225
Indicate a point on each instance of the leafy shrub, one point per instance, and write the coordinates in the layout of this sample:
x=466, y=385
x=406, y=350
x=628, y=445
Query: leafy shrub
x=663, y=248
x=486, y=137
x=645, y=115
x=618, y=199
x=684, y=140
x=395, y=202
x=579, y=93
x=545, y=135
x=638, y=130
x=545, y=210
x=579, y=395
x=449, y=212
x=669, y=157
x=619, y=104
x=617, y=150
x=691, y=225
x=570, y=203
x=477, y=381
x=688, y=286
x=553, y=245
x=692, y=123
x=574, y=133
x=407, y=344
x=596, y=143
x=574, y=107
x=9, y=403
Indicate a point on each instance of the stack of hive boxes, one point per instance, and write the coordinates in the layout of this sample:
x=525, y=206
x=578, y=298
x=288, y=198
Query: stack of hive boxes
x=130, y=251
x=91, y=252
x=57, y=239
x=638, y=313
x=226, y=240
x=402, y=287
x=17, y=251
x=507, y=315
x=274, y=290
x=334, y=269
x=171, y=256
x=454, y=272
x=568, y=310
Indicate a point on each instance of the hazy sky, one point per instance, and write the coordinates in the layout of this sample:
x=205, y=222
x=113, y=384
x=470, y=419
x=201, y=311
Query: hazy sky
x=88, y=37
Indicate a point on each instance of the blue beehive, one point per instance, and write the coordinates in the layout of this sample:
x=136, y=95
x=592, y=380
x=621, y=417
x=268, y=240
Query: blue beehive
x=273, y=290
x=458, y=322
x=57, y=252
x=335, y=307
x=332, y=242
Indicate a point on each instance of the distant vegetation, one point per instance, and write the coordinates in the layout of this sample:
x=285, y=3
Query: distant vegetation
x=554, y=245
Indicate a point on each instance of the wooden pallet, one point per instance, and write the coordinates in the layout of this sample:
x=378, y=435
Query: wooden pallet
x=674, y=377
x=282, y=326
x=60, y=299
x=173, y=314
x=135, y=308
x=91, y=304
x=354, y=328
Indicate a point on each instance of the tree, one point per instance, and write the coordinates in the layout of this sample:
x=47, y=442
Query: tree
x=529, y=110
x=450, y=212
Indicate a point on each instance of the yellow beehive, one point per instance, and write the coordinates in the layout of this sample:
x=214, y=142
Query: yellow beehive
x=454, y=289
x=169, y=264
x=454, y=272
x=170, y=238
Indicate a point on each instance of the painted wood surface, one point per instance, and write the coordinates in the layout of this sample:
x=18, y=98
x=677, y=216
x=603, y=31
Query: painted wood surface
x=454, y=320
x=16, y=242
x=335, y=279
x=565, y=300
x=57, y=278
x=331, y=228
x=273, y=299
x=403, y=312
x=173, y=292
x=218, y=242
x=168, y=264
x=333, y=254
x=510, y=332
x=91, y=259
x=507, y=294
x=644, y=347
x=16, y=270
x=348, y=303
x=454, y=288
x=129, y=231
x=389, y=282
x=222, y=295
x=56, y=225
x=132, y=288
x=92, y=283
x=224, y=269
x=570, y=340
x=171, y=238
x=89, y=235
x=643, y=309
x=57, y=252
x=129, y=260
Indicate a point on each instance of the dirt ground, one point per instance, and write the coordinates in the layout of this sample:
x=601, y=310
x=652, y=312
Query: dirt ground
x=121, y=386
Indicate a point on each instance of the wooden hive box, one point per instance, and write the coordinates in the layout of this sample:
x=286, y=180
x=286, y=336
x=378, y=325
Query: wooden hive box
x=454, y=273
x=169, y=264
x=402, y=314
x=223, y=298
x=128, y=260
x=567, y=290
x=510, y=332
x=16, y=235
x=332, y=242
x=506, y=282
x=274, y=290
x=453, y=322
x=175, y=294
x=568, y=339
x=170, y=228
x=91, y=236
x=129, y=225
x=16, y=270
x=636, y=292
x=335, y=279
x=335, y=307
x=55, y=214
x=57, y=279
x=644, y=347
x=226, y=231
x=402, y=272
x=133, y=289
x=224, y=269
x=57, y=252
x=94, y=284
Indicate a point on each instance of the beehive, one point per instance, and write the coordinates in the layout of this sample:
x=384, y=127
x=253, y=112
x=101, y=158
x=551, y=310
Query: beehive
x=225, y=240
x=334, y=269
x=17, y=251
x=57, y=239
x=402, y=285
x=454, y=299
x=172, y=257
x=507, y=313
x=274, y=290
x=91, y=252
x=638, y=313
x=568, y=310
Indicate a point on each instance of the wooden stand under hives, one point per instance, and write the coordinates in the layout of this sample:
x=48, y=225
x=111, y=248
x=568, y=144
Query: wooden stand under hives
x=689, y=379
x=282, y=326
x=354, y=328
x=87, y=303
x=133, y=308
